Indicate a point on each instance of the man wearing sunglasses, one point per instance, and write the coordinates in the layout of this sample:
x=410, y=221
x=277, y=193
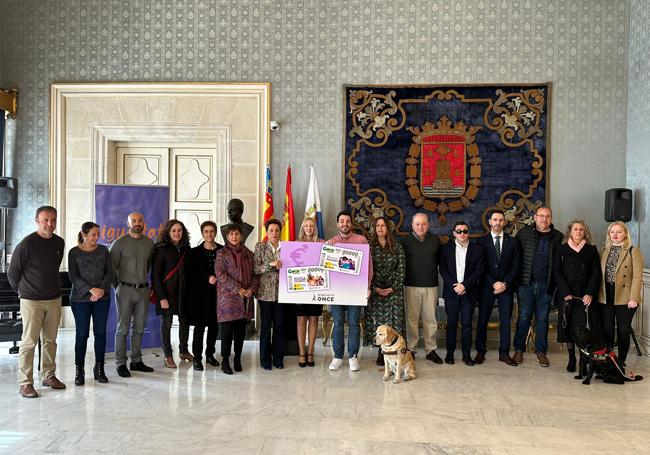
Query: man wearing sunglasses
x=535, y=292
x=461, y=267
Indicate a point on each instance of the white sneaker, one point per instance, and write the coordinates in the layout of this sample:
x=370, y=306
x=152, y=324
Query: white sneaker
x=354, y=364
x=336, y=364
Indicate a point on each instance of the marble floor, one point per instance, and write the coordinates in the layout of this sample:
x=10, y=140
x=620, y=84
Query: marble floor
x=487, y=409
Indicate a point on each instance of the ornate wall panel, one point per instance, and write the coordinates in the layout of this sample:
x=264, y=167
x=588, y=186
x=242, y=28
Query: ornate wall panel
x=308, y=51
x=638, y=126
x=455, y=152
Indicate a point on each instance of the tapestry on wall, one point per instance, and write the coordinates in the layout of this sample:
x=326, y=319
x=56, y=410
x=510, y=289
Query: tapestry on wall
x=455, y=152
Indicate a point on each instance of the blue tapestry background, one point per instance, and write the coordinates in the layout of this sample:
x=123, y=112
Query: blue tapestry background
x=511, y=137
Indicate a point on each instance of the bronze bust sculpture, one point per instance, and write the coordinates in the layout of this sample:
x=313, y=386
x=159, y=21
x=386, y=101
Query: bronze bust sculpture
x=235, y=212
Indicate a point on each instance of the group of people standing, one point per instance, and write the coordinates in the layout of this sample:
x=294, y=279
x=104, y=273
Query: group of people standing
x=537, y=265
x=214, y=287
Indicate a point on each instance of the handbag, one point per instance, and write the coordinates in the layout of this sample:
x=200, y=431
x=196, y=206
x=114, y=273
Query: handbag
x=153, y=299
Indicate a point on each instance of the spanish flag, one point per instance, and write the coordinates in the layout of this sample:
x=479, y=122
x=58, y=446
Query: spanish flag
x=288, y=221
x=268, y=200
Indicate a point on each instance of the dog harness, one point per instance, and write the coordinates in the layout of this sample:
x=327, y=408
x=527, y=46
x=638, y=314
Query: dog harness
x=404, y=350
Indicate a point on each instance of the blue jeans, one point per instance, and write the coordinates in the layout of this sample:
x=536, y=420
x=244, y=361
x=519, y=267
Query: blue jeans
x=533, y=299
x=338, y=314
x=83, y=312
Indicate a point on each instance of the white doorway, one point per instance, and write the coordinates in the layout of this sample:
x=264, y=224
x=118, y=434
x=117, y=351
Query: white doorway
x=191, y=173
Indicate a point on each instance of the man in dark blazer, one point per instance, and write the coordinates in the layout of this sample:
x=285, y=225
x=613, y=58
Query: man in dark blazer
x=462, y=269
x=501, y=269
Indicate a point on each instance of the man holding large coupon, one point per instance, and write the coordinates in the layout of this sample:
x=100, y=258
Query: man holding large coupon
x=345, y=235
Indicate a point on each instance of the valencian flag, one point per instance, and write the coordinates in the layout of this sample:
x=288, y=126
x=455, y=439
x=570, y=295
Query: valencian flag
x=268, y=201
x=312, y=208
x=288, y=221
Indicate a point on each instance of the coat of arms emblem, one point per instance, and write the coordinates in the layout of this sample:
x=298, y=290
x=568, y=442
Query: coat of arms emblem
x=437, y=166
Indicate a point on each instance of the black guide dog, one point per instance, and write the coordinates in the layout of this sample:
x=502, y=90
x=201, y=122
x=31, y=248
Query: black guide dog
x=595, y=357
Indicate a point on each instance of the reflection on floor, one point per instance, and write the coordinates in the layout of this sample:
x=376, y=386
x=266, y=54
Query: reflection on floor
x=487, y=409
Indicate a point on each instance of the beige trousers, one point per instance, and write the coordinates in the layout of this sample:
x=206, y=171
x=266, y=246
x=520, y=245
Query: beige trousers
x=421, y=303
x=41, y=318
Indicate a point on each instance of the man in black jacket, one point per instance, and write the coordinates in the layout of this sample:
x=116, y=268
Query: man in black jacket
x=501, y=269
x=462, y=269
x=535, y=292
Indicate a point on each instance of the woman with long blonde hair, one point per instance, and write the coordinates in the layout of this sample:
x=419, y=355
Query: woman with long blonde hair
x=620, y=291
x=307, y=313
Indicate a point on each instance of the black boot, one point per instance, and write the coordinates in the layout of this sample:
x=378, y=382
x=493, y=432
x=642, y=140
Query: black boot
x=225, y=365
x=79, y=375
x=211, y=360
x=99, y=374
x=198, y=365
x=237, y=363
x=380, y=358
x=571, y=366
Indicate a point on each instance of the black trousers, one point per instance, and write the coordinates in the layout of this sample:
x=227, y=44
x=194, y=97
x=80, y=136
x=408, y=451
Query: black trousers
x=272, y=343
x=619, y=316
x=505, y=304
x=210, y=342
x=459, y=306
x=232, y=331
x=165, y=332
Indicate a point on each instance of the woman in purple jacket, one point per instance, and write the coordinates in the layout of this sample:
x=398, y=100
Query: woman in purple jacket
x=236, y=285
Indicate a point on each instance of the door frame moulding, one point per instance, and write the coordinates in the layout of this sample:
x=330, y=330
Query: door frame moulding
x=179, y=130
x=218, y=136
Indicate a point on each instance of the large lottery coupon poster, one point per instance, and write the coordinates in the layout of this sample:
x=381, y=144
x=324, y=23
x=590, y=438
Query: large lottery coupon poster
x=316, y=273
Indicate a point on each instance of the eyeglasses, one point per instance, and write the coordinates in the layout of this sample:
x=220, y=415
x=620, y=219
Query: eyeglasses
x=462, y=231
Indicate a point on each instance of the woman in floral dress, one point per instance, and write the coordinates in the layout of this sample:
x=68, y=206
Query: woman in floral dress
x=386, y=304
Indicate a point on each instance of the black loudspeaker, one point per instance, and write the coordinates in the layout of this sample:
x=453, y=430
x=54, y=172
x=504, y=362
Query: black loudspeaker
x=8, y=193
x=618, y=204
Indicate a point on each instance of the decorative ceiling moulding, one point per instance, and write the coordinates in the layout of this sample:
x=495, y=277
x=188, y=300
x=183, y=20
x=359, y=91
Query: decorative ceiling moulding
x=99, y=124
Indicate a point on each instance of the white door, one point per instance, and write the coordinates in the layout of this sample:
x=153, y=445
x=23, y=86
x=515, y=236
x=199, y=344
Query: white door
x=190, y=172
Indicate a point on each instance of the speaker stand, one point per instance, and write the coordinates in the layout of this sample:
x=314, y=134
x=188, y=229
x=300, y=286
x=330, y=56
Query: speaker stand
x=3, y=239
x=636, y=343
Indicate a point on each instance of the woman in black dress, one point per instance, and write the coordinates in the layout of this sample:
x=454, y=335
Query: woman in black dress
x=307, y=313
x=168, y=282
x=577, y=274
x=202, y=295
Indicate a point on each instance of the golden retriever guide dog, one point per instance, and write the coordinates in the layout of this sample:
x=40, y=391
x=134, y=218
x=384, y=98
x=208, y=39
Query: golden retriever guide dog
x=398, y=360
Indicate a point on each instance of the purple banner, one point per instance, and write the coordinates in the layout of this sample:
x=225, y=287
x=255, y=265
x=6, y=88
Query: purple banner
x=113, y=203
x=316, y=273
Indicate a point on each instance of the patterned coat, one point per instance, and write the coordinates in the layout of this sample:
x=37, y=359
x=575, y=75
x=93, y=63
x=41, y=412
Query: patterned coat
x=269, y=276
x=230, y=305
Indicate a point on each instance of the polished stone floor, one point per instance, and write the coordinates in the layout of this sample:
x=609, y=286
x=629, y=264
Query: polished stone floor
x=487, y=409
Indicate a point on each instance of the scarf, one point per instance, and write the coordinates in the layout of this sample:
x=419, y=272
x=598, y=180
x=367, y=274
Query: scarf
x=577, y=247
x=243, y=263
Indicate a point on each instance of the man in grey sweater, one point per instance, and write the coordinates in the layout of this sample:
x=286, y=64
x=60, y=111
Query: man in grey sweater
x=34, y=274
x=131, y=256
